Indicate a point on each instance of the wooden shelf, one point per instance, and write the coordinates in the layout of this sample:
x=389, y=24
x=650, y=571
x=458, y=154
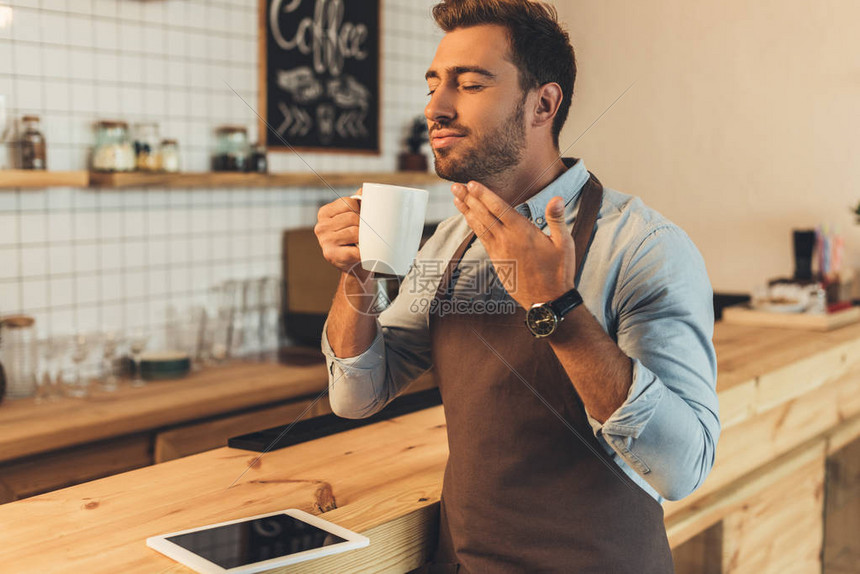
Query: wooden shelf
x=20, y=178
x=30, y=179
x=226, y=179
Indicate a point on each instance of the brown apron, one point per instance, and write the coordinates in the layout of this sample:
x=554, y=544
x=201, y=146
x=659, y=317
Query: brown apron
x=524, y=491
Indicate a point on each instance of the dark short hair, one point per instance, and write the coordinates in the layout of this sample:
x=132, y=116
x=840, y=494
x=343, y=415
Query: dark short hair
x=540, y=47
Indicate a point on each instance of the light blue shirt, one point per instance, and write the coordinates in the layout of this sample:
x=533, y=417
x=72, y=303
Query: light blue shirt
x=646, y=284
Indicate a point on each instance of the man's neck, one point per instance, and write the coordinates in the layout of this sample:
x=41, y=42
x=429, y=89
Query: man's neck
x=528, y=178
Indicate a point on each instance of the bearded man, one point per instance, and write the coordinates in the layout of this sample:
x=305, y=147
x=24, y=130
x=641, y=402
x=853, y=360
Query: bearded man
x=585, y=394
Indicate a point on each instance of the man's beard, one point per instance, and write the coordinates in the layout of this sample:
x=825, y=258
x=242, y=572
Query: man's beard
x=492, y=154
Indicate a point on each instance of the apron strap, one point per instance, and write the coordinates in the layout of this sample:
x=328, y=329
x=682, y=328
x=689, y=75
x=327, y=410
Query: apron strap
x=591, y=199
x=583, y=227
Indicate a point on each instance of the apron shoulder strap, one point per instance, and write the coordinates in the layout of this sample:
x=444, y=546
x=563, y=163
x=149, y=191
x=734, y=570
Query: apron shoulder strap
x=583, y=228
x=445, y=283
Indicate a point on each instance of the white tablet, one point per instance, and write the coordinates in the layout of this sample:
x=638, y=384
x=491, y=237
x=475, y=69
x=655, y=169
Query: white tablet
x=257, y=543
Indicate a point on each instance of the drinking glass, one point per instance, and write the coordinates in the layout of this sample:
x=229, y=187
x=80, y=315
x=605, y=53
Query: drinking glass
x=251, y=318
x=232, y=313
x=190, y=335
x=80, y=350
x=137, y=340
x=271, y=325
x=108, y=381
x=51, y=350
x=218, y=334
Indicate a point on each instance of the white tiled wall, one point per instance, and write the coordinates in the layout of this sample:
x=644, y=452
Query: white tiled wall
x=84, y=259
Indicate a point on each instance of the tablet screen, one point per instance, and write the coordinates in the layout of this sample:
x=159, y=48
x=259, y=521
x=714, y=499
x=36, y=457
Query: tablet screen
x=251, y=541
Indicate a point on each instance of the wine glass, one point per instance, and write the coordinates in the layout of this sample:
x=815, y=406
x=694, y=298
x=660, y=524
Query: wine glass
x=80, y=348
x=51, y=349
x=137, y=340
x=108, y=380
x=43, y=371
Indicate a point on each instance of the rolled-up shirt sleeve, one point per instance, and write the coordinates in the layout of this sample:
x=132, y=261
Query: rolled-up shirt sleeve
x=353, y=381
x=668, y=427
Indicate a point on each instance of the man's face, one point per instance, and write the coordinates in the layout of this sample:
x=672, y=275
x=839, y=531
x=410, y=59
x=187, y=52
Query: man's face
x=475, y=115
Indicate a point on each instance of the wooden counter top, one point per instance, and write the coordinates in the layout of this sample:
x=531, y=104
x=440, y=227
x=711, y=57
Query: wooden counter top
x=27, y=428
x=384, y=480
x=745, y=353
x=375, y=475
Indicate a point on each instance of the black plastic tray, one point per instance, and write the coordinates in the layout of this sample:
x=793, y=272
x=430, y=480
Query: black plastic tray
x=317, y=427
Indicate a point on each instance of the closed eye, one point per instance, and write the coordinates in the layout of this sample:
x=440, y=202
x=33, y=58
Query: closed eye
x=469, y=88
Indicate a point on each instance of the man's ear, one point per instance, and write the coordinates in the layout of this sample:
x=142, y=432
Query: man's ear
x=549, y=98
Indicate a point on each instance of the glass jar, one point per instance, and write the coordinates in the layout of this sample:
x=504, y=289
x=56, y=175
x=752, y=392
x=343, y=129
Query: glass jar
x=18, y=355
x=169, y=156
x=113, y=150
x=258, y=162
x=231, y=149
x=146, y=143
x=32, y=144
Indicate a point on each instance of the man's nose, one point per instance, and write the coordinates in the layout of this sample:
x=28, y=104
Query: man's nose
x=441, y=106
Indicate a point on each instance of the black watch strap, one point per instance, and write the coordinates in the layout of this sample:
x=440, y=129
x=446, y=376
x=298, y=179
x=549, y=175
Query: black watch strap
x=566, y=303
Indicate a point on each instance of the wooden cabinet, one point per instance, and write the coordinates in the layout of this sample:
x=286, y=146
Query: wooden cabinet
x=46, y=472
x=206, y=435
x=21, y=477
x=842, y=510
x=800, y=513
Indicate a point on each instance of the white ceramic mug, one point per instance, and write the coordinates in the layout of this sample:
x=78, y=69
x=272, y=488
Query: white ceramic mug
x=392, y=221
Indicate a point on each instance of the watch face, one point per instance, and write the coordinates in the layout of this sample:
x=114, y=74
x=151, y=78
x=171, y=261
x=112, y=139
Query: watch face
x=541, y=321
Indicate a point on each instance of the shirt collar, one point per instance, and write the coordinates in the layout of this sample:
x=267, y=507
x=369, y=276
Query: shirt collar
x=567, y=185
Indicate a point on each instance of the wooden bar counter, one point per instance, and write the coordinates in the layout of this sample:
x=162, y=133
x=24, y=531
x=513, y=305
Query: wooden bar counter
x=27, y=428
x=790, y=402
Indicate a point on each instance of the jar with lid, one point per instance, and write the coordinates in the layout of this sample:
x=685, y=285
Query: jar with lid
x=32, y=144
x=258, y=162
x=113, y=150
x=231, y=149
x=169, y=156
x=18, y=355
x=146, y=143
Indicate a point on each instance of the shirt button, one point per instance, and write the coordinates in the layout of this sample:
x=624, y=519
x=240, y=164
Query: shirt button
x=539, y=220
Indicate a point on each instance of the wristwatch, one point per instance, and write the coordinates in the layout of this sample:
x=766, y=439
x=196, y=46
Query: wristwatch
x=542, y=319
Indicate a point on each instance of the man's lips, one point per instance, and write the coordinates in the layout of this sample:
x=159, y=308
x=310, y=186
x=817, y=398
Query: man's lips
x=444, y=138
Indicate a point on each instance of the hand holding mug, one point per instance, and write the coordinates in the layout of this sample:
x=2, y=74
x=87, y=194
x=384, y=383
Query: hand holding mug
x=388, y=231
x=337, y=232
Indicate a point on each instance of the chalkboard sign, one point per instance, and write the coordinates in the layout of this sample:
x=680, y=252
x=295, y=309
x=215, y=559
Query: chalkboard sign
x=320, y=75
